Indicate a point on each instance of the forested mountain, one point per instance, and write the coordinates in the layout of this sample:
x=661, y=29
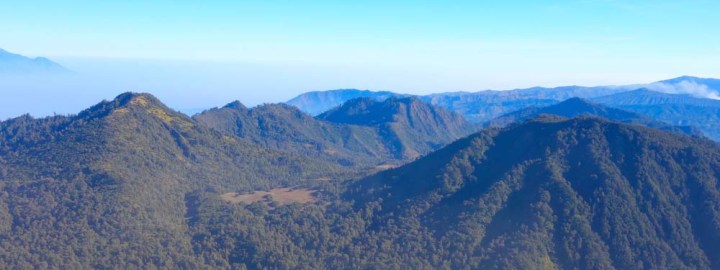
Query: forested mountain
x=390, y=132
x=582, y=107
x=317, y=102
x=108, y=188
x=407, y=125
x=279, y=126
x=130, y=183
x=15, y=64
x=550, y=193
x=675, y=109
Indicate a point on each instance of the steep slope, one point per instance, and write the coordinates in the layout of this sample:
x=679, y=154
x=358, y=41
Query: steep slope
x=317, y=102
x=581, y=107
x=279, y=126
x=549, y=193
x=15, y=64
x=408, y=126
x=554, y=193
x=108, y=188
x=676, y=109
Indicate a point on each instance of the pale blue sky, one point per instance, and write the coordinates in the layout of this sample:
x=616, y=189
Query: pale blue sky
x=268, y=51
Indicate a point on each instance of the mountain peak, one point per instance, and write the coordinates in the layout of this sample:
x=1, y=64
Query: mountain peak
x=137, y=99
x=12, y=63
x=683, y=78
x=236, y=105
x=136, y=105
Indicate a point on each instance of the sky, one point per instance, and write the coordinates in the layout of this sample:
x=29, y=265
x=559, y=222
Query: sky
x=200, y=54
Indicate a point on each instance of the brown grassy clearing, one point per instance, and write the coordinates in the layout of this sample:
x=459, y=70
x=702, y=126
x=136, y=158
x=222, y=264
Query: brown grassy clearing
x=282, y=196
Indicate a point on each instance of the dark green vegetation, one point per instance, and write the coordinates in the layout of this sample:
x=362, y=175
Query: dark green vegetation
x=279, y=126
x=676, y=109
x=407, y=126
x=551, y=193
x=130, y=183
x=111, y=187
x=575, y=107
x=391, y=131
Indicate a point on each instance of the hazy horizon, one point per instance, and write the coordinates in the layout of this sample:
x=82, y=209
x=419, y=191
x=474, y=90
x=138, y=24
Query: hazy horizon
x=196, y=55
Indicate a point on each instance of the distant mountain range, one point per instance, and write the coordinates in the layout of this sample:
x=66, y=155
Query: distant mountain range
x=674, y=109
x=575, y=107
x=15, y=64
x=683, y=101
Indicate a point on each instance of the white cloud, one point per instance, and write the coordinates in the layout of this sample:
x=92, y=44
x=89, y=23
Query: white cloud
x=685, y=87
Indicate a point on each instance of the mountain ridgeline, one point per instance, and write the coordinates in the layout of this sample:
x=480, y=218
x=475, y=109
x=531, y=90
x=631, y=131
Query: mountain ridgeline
x=407, y=125
x=15, y=64
x=675, y=109
x=682, y=101
x=318, y=102
x=575, y=107
x=392, y=131
x=132, y=184
x=279, y=126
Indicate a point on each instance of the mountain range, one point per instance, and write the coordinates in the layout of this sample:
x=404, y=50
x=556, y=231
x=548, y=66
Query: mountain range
x=389, y=131
x=392, y=182
x=15, y=64
x=675, y=109
x=410, y=127
x=575, y=107
x=683, y=101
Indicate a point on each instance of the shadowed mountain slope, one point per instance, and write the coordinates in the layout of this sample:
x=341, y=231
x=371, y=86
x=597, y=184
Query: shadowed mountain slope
x=279, y=126
x=410, y=126
x=581, y=193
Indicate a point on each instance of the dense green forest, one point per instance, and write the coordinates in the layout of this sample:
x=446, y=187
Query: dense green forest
x=408, y=127
x=132, y=184
x=551, y=193
x=400, y=131
x=108, y=187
